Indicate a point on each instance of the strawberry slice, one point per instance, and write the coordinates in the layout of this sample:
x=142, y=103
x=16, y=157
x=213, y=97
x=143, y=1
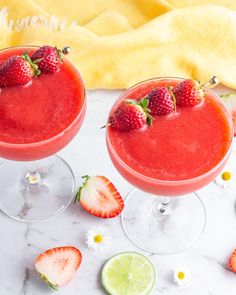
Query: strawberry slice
x=99, y=197
x=232, y=261
x=57, y=266
x=230, y=102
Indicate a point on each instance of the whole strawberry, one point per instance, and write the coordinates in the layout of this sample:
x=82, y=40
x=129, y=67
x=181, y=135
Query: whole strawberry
x=161, y=101
x=48, y=59
x=130, y=115
x=188, y=93
x=17, y=70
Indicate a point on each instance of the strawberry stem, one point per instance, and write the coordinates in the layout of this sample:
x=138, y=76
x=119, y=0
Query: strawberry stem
x=173, y=96
x=38, y=60
x=34, y=66
x=214, y=81
x=45, y=279
x=59, y=52
x=144, y=104
x=78, y=194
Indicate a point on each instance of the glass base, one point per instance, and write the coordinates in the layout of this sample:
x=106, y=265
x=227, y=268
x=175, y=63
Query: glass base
x=158, y=226
x=37, y=190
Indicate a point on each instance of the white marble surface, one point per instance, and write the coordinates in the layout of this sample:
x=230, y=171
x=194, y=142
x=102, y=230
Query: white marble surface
x=20, y=243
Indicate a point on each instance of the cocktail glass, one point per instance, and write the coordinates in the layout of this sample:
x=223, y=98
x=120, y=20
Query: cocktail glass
x=163, y=216
x=35, y=184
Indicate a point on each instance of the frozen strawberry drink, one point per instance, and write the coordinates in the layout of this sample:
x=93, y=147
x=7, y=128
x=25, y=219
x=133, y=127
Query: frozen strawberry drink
x=41, y=117
x=168, y=137
x=180, y=152
x=42, y=107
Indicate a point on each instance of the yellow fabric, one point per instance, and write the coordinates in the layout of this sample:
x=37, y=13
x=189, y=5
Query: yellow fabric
x=116, y=43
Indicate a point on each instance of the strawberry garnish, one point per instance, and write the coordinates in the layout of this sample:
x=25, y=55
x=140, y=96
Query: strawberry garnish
x=232, y=261
x=188, y=93
x=17, y=70
x=161, y=101
x=48, y=59
x=99, y=197
x=130, y=114
x=57, y=266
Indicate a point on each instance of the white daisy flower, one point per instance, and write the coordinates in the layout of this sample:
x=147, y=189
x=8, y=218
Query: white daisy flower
x=181, y=276
x=224, y=179
x=97, y=238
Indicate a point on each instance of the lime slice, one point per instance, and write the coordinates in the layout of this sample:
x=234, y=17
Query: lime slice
x=128, y=274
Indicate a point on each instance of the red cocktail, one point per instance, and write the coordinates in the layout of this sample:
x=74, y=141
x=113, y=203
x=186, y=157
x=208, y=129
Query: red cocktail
x=37, y=120
x=180, y=153
x=40, y=118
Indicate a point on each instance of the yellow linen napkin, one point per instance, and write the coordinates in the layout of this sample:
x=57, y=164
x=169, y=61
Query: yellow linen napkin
x=116, y=43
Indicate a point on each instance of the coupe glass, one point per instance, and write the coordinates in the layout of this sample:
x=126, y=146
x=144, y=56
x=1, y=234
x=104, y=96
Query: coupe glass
x=162, y=216
x=35, y=184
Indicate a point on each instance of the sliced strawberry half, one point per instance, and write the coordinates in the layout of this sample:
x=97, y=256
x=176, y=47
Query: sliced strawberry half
x=232, y=261
x=57, y=266
x=230, y=101
x=99, y=197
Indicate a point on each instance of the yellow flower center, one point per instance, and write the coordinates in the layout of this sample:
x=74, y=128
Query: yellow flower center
x=226, y=176
x=98, y=238
x=181, y=275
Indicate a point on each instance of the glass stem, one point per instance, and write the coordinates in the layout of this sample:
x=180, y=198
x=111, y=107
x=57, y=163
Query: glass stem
x=32, y=176
x=164, y=206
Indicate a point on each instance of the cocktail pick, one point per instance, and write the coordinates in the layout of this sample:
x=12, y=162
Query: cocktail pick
x=66, y=50
x=213, y=82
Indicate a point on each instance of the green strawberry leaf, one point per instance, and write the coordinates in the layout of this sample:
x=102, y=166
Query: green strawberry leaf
x=78, y=194
x=173, y=96
x=144, y=102
x=45, y=279
x=59, y=52
x=34, y=66
x=149, y=119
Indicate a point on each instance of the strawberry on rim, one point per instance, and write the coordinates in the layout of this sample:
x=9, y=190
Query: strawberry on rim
x=99, y=197
x=18, y=70
x=191, y=92
x=161, y=101
x=130, y=115
x=188, y=93
x=48, y=58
